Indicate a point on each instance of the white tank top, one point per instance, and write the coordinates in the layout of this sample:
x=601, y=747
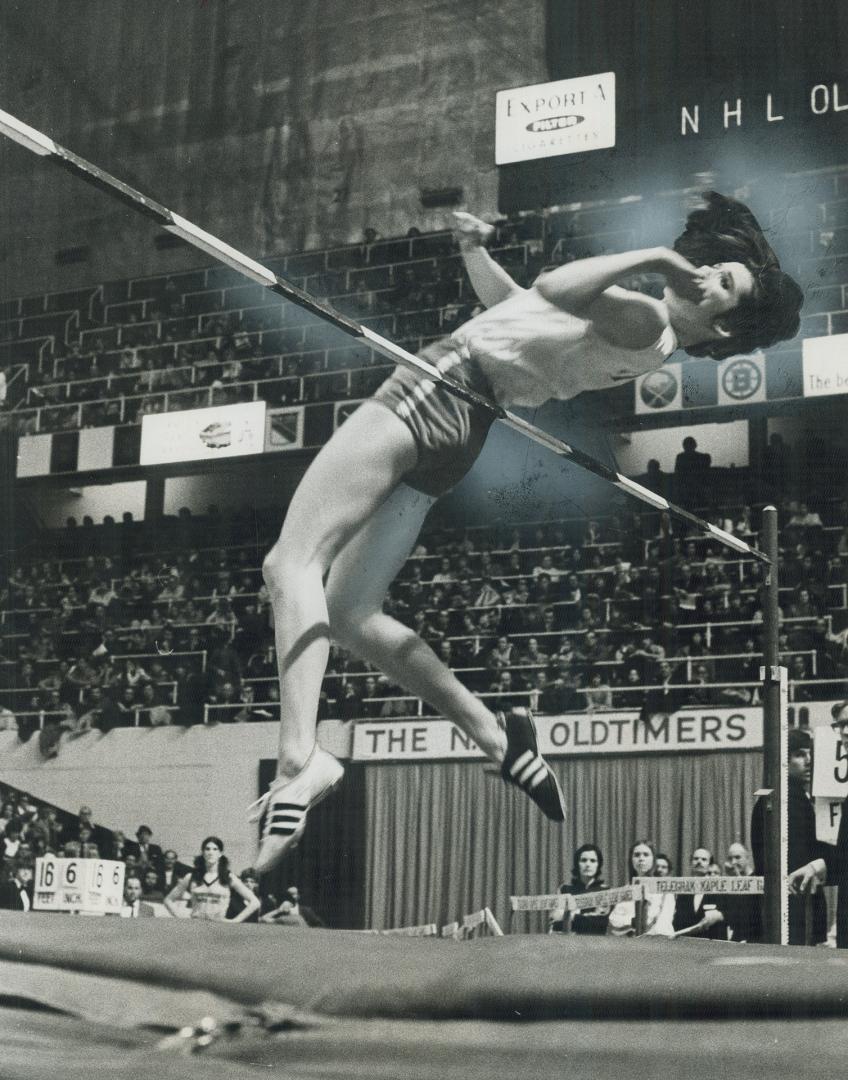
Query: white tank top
x=532, y=351
x=209, y=900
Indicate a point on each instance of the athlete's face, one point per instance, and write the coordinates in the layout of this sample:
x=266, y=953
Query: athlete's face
x=722, y=286
x=211, y=852
x=588, y=865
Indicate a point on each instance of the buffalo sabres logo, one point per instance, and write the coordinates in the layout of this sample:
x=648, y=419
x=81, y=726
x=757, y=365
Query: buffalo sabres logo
x=659, y=389
x=741, y=379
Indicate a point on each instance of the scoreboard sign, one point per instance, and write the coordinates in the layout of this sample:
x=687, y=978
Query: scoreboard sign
x=87, y=886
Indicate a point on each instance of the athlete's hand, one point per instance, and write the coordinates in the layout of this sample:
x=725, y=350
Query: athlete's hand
x=683, y=277
x=471, y=231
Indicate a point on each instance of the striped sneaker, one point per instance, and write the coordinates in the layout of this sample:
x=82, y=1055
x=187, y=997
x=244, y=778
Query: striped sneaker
x=525, y=767
x=282, y=809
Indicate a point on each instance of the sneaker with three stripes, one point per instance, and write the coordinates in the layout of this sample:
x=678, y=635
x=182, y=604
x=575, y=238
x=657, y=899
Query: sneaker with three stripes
x=525, y=767
x=282, y=809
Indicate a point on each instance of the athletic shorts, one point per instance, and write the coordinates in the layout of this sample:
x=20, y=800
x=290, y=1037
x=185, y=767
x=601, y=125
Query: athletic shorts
x=448, y=432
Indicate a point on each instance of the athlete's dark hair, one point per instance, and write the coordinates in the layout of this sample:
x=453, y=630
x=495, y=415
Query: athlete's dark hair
x=199, y=872
x=724, y=230
x=576, y=879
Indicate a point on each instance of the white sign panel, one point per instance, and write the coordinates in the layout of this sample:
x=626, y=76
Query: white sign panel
x=566, y=736
x=92, y=886
x=825, y=365
x=830, y=765
x=828, y=813
x=203, y=434
x=569, y=116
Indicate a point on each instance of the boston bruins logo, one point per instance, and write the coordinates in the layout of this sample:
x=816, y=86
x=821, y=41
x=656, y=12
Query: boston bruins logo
x=741, y=379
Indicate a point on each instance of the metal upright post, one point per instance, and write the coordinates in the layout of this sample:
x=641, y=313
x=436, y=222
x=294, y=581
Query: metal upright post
x=776, y=907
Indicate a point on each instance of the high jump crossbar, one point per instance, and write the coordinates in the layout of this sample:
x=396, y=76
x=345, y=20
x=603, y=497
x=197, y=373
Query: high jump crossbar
x=38, y=143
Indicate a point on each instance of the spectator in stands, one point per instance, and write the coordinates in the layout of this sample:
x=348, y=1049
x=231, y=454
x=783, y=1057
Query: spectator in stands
x=156, y=713
x=630, y=695
x=169, y=873
x=119, y=847
x=149, y=854
x=16, y=892
x=598, y=693
x=804, y=518
x=151, y=886
x=586, y=869
x=134, y=906
x=298, y=907
x=700, y=915
x=692, y=475
x=662, y=865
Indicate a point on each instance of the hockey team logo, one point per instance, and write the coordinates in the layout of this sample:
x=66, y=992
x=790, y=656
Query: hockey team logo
x=742, y=379
x=659, y=389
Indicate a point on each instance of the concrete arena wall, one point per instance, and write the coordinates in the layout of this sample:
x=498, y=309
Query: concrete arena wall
x=278, y=127
x=185, y=783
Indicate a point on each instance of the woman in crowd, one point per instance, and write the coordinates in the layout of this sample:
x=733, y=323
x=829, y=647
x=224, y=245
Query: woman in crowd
x=586, y=867
x=210, y=886
x=659, y=913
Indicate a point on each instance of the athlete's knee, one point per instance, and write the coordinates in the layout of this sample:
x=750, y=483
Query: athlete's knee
x=282, y=568
x=348, y=625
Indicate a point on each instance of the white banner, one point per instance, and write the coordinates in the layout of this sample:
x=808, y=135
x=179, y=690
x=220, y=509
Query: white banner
x=751, y=885
x=203, y=434
x=825, y=365
x=568, y=116
x=567, y=736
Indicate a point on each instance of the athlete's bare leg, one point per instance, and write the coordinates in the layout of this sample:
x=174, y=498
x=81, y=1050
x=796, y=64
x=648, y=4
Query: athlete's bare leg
x=356, y=587
x=351, y=477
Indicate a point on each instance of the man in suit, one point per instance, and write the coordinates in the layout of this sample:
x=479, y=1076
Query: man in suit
x=119, y=847
x=691, y=474
x=170, y=873
x=830, y=861
x=16, y=893
x=149, y=854
x=699, y=916
x=134, y=906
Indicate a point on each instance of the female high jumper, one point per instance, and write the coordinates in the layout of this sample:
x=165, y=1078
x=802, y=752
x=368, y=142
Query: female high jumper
x=357, y=512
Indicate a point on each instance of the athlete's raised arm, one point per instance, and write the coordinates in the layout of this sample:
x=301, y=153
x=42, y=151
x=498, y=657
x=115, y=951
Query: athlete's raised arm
x=588, y=288
x=489, y=280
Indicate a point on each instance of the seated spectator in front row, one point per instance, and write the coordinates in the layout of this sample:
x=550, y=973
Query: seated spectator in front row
x=659, y=907
x=700, y=915
x=586, y=867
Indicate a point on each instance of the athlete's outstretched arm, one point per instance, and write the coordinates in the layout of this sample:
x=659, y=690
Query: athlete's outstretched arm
x=489, y=280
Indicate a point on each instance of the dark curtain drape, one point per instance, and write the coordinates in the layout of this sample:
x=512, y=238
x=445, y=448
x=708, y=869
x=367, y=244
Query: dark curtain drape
x=447, y=839
x=328, y=865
